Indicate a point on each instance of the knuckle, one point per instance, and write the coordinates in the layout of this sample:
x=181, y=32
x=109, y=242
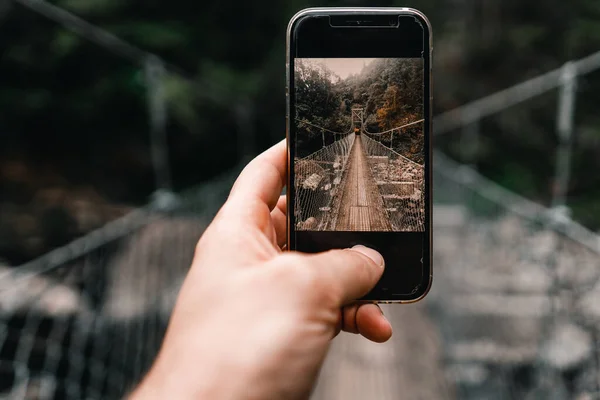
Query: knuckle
x=309, y=279
x=220, y=229
x=270, y=168
x=223, y=227
x=301, y=272
x=226, y=209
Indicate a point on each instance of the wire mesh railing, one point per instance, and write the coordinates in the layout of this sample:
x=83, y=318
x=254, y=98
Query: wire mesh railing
x=317, y=181
x=517, y=304
x=516, y=292
x=391, y=132
x=91, y=327
x=87, y=319
x=401, y=184
x=515, y=296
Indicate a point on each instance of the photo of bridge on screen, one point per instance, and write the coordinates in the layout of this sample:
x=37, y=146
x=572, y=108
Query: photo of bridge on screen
x=359, y=145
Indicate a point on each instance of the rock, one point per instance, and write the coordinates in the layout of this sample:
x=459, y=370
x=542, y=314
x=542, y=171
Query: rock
x=530, y=278
x=589, y=305
x=416, y=196
x=541, y=245
x=449, y=216
x=22, y=293
x=396, y=188
x=310, y=223
x=494, y=304
x=470, y=374
x=576, y=267
x=312, y=182
x=504, y=330
x=525, y=278
x=41, y=387
x=510, y=229
x=488, y=351
x=568, y=346
x=60, y=300
x=494, y=277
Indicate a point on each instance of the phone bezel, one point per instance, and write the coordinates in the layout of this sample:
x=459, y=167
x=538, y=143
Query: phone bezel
x=310, y=12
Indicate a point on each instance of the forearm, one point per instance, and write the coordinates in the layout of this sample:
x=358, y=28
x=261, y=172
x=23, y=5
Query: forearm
x=161, y=383
x=211, y=377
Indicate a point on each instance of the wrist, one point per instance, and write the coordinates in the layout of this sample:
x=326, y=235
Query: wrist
x=170, y=382
x=160, y=384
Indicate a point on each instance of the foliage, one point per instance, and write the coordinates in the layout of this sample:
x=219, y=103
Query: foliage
x=316, y=99
x=504, y=43
x=75, y=115
x=389, y=90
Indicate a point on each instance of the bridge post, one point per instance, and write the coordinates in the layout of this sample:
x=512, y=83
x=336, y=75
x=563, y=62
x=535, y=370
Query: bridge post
x=565, y=123
x=469, y=140
x=358, y=113
x=323, y=137
x=157, y=114
x=390, y=156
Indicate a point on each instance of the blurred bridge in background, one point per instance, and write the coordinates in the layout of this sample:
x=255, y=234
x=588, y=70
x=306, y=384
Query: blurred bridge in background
x=513, y=314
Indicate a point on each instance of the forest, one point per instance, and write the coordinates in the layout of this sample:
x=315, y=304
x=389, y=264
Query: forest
x=390, y=91
x=74, y=123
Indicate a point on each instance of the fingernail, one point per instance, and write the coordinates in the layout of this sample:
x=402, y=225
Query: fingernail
x=372, y=254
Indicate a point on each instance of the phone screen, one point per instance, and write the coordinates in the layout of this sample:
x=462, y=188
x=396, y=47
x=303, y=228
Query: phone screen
x=359, y=144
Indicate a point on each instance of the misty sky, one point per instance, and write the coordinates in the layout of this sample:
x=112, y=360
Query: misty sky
x=344, y=67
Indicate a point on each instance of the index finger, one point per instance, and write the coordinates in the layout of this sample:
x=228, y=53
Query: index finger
x=263, y=178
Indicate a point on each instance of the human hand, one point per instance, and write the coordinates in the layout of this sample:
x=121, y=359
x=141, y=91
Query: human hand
x=255, y=322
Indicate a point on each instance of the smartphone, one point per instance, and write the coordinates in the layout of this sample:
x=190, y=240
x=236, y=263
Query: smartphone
x=358, y=133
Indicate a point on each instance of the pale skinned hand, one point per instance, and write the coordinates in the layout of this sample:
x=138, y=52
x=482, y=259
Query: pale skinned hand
x=255, y=322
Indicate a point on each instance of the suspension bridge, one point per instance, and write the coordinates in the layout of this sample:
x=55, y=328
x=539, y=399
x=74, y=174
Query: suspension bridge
x=357, y=183
x=513, y=314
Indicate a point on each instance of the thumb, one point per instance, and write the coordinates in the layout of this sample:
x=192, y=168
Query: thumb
x=352, y=273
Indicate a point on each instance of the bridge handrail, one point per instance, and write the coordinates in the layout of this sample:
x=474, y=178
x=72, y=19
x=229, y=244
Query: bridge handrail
x=513, y=202
x=323, y=149
x=393, y=129
x=395, y=152
x=509, y=97
x=121, y=227
x=323, y=129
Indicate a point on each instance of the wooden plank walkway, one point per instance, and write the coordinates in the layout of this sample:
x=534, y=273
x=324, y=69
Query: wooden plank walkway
x=409, y=366
x=361, y=207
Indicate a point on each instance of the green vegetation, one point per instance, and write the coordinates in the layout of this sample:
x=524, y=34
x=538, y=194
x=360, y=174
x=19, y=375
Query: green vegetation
x=389, y=90
x=74, y=114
